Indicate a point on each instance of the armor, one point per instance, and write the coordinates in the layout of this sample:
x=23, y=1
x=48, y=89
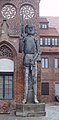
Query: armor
x=30, y=47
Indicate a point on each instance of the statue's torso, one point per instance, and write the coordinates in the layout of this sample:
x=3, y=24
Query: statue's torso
x=29, y=45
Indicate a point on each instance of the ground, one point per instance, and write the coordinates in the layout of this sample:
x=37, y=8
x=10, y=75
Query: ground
x=52, y=113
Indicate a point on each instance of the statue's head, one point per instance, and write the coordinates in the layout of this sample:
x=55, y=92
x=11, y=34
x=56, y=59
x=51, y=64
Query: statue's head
x=29, y=29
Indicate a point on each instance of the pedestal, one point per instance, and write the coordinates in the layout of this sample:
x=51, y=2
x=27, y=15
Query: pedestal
x=30, y=110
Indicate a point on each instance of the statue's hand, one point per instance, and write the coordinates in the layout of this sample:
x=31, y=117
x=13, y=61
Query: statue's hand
x=35, y=56
x=32, y=62
x=23, y=35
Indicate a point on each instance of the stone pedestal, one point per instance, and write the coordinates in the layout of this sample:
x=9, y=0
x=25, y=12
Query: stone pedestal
x=30, y=110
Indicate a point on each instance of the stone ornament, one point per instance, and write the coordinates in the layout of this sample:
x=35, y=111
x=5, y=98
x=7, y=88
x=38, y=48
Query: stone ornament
x=27, y=10
x=8, y=11
x=5, y=51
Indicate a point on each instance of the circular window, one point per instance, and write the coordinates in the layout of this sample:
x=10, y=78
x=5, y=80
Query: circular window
x=27, y=11
x=8, y=11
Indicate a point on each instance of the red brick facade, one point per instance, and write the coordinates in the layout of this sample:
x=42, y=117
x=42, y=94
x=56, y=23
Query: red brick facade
x=50, y=51
x=10, y=31
x=10, y=37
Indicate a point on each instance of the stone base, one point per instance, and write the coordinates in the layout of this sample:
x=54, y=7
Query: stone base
x=30, y=110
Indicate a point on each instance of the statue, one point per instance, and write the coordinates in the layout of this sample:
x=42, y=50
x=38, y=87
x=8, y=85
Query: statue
x=30, y=46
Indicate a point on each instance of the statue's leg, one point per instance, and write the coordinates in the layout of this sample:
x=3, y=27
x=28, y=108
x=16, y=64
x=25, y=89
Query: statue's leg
x=34, y=76
x=26, y=73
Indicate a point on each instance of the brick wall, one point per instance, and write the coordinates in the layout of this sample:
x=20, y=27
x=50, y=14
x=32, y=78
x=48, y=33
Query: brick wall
x=50, y=75
x=11, y=39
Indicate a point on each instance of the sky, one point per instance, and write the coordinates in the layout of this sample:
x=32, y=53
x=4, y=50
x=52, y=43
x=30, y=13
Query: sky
x=49, y=8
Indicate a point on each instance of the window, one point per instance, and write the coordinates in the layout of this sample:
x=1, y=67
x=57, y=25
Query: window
x=56, y=62
x=43, y=25
x=41, y=41
x=46, y=41
x=45, y=89
x=49, y=41
x=6, y=85
x=6, y=78
x=44, y=63
x=8, y=11
x=54, y=41
x=56, y=89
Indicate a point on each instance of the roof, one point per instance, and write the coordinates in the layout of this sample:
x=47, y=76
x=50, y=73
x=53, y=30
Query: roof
x=43, y=19
x=53, y=26
x=49, y=32
x=53, y=22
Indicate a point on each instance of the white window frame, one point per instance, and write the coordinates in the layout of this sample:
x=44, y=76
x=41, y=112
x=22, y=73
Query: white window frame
x=56, y=41
x=53, y=41
x=44, y=62
x=46, y=41
x=49, y=41
x=41, y=41
x=56, y=62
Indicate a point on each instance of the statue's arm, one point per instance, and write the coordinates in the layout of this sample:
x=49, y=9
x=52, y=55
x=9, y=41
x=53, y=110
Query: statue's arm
x=37, y=45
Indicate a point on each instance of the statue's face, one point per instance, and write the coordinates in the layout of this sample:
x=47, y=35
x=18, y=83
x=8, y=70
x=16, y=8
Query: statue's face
x=30, y=30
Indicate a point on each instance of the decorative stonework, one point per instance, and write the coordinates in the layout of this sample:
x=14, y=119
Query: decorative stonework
x=8, y=11
x=5, y=51
x=27, y=10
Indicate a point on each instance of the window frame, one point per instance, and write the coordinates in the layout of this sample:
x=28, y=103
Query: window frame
x=43, y=25
x=41, y=41
x=56, y=65
x=45, y=41
x=3, y=74
x=49, y=41
x=45, y=91
x=43, y=65
x=55, y=42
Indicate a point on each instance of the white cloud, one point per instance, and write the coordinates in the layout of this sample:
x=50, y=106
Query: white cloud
x=49, y=8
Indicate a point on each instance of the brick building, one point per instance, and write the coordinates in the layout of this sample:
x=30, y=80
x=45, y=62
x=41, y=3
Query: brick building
x=11, y=61
x=49, y=42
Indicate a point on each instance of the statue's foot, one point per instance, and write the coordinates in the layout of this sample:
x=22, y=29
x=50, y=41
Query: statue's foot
x=35, y=100
x=24, y=101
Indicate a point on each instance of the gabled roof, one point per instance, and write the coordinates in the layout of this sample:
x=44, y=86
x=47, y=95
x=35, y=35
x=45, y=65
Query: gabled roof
x=43, y=19
x=53, y=26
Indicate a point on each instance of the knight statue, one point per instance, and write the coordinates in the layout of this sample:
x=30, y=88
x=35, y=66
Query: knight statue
x=31, y=49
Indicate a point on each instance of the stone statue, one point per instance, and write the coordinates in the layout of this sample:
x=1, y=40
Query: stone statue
x=30, y=46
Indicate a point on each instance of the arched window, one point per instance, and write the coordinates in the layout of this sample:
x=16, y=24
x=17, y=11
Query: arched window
x=6, y=78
